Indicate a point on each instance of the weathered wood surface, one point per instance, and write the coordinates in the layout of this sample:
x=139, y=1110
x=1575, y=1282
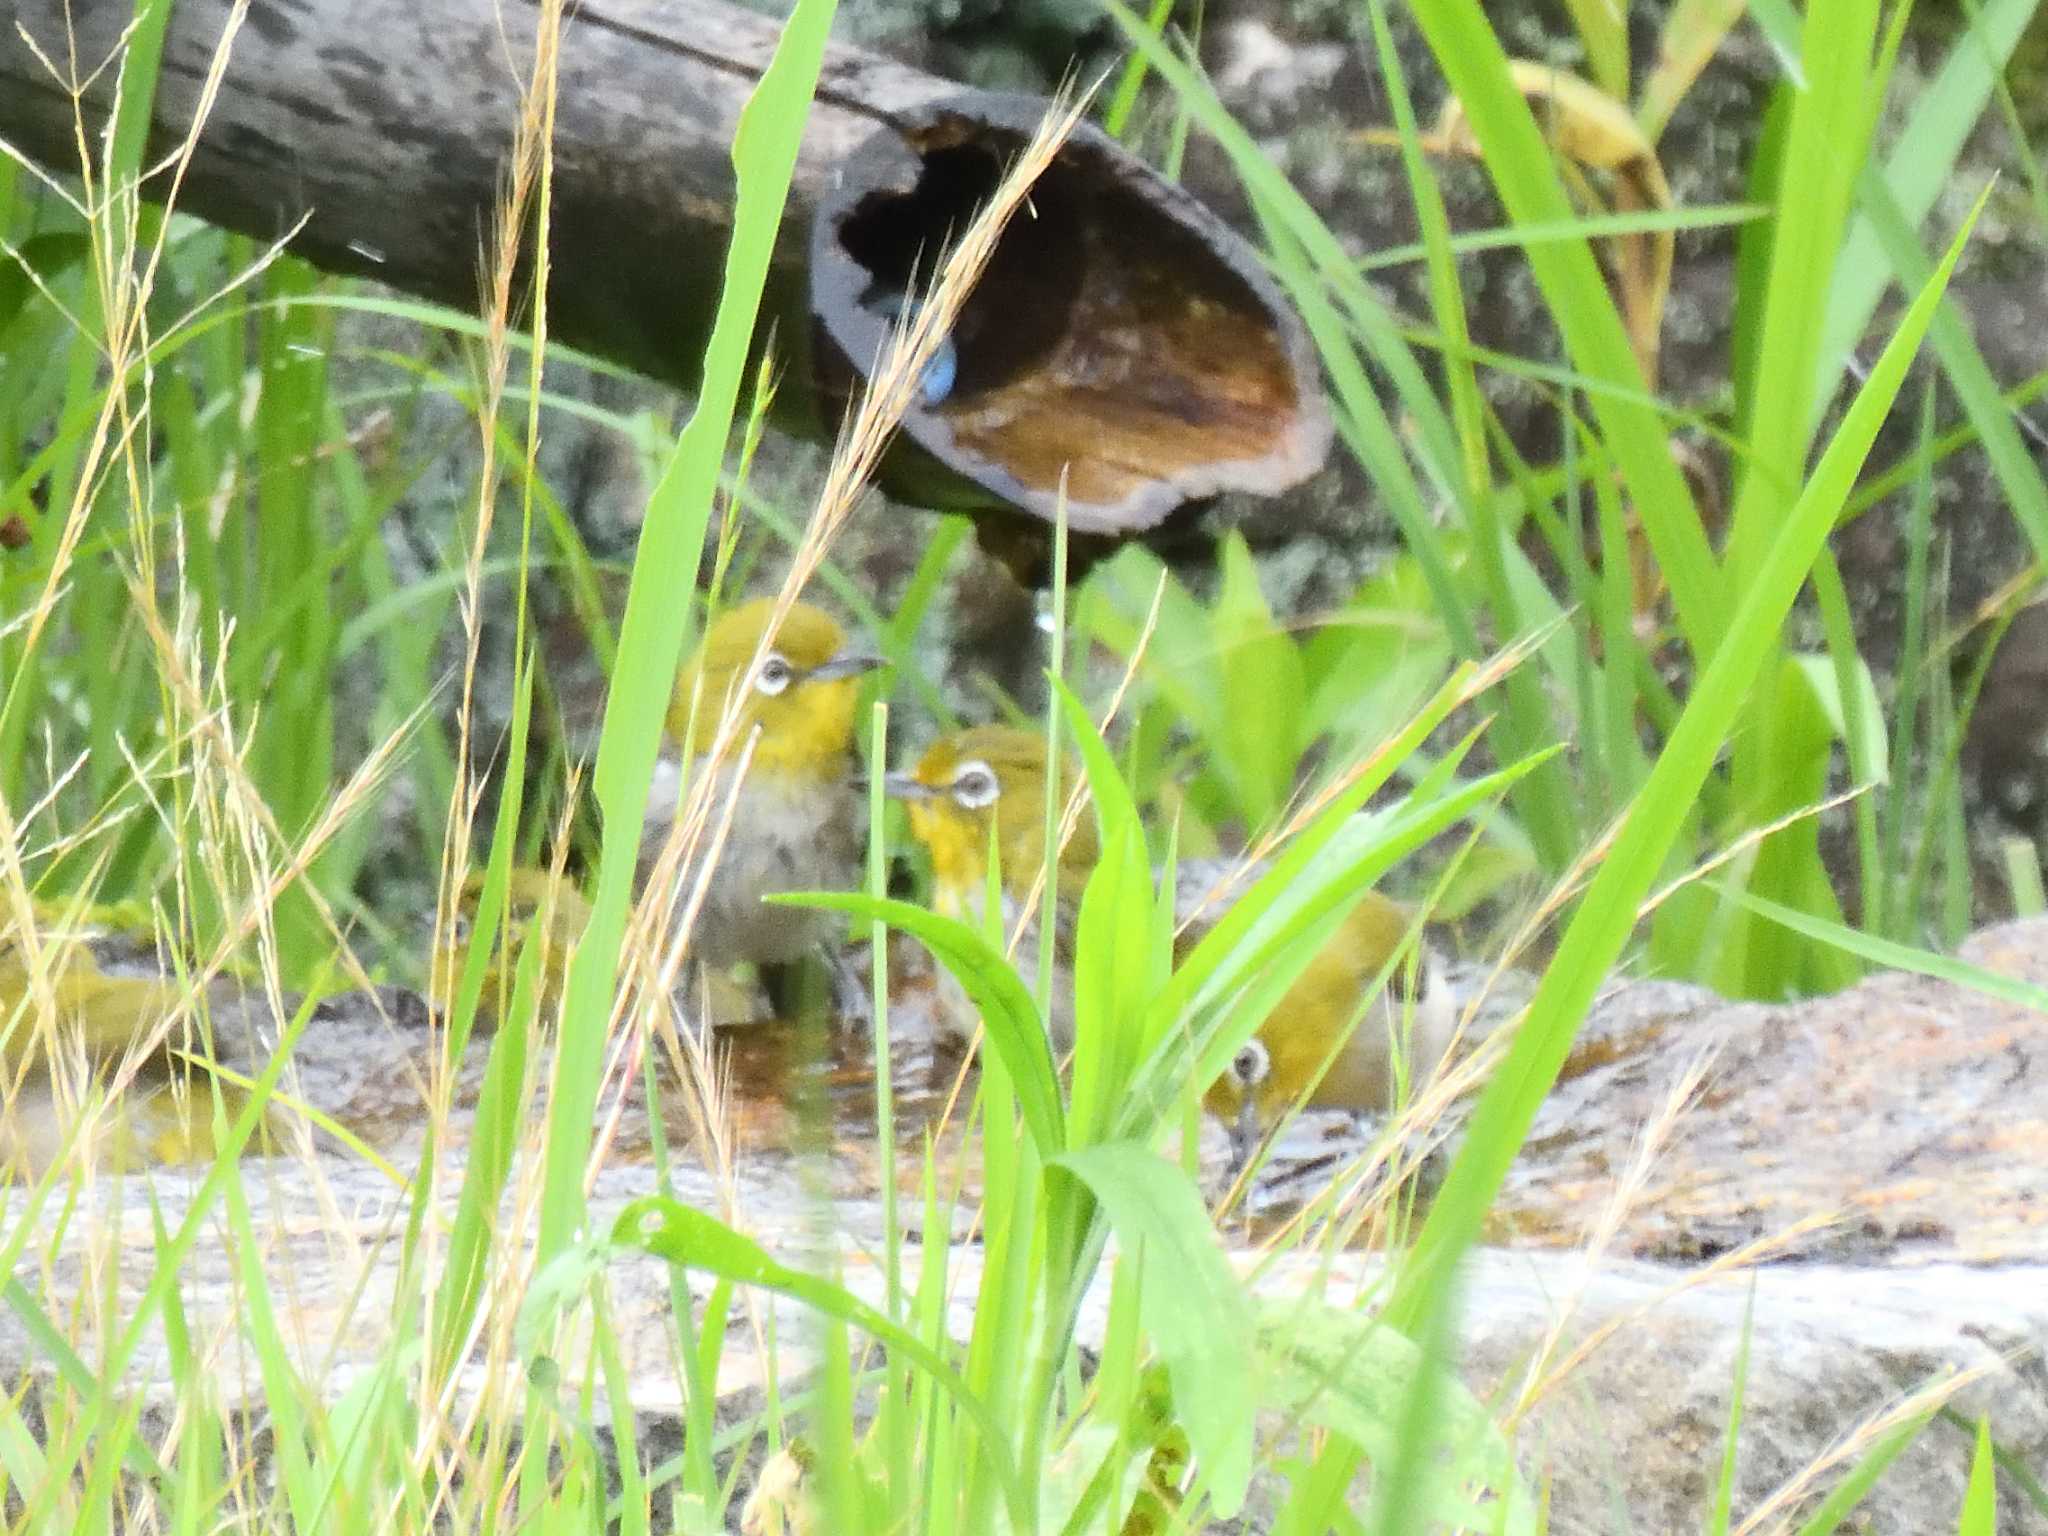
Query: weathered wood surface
x=1127, y=353
x=386, y=125
x=1907, y=1105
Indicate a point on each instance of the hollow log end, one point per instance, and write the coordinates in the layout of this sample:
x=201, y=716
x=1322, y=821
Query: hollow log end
x=1121, y=334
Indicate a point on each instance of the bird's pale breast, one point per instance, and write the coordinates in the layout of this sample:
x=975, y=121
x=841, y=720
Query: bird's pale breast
x=785, y=836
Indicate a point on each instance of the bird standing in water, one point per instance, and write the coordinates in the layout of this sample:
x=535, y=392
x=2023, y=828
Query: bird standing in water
x=1331, y=1039
x=799, y=819
x=95, y=1023
x=1301, y=1055
x=987, y=783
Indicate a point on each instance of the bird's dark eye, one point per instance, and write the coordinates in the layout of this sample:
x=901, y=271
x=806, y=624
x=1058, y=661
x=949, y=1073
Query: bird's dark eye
x=1251, y=1064
x=975, y=786
x=775, y=675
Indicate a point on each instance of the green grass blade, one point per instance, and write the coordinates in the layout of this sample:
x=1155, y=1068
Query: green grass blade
x=1896, y=956
x=2011, y=459
x=1606, y=916
x=1824, y=137
x=1190, y=1302
x=1008, y=1013
x=1518, y=159
x=651, y=639
x=1980, y=1501
x=677, y=1234
x=1843, y=1498
x=1922, y=165
x=1731, y=1440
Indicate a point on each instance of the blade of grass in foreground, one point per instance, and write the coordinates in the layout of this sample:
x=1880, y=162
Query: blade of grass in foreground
x=171, y=1256
x=1898, y=957
x=1010, y=1018
x=1191, y=1303
x=2007, y=1460
x=1980, y=1502
x=1519, y=160
x=1850, y=1491
x=1425, y=1288
x=651, y=639
x=677, y=1234
x=1605, y=919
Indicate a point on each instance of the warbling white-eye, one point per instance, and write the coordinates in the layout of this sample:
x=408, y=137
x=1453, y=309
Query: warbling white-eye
x=990, y=781
x=800, y=822
x=984, y=783
x=539, y=906
x=1301, y=1053
x=164, y=1116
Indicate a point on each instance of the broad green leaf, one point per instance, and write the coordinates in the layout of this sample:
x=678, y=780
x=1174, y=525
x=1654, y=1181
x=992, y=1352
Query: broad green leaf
x=683, y=1236
x=1345, y=1371
x=1119, y=962
x=1008, y=1015
x=1792, y=746
x=1263, y=692
x=1190, y=1303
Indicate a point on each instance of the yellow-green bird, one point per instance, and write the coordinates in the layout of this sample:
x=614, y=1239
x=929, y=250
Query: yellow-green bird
x=97, y=1021
x=97, y=1017
x=1300, y=1054
x=539, y=905
x=800, y=818
x=989, y=783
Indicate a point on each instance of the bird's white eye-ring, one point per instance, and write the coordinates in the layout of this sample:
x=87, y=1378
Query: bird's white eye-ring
x=975, y=786
x=1251, y=1064
x=775, y=675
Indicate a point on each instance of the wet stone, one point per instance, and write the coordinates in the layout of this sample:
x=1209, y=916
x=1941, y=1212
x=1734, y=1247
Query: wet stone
x=1913, y=1110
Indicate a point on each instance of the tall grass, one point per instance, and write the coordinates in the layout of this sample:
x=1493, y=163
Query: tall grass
x=183, y=641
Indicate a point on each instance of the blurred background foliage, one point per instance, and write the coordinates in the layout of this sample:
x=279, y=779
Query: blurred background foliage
x=313, y=463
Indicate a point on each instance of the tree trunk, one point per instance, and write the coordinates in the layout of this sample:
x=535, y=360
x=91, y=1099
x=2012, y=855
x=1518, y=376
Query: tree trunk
x=1125, y=336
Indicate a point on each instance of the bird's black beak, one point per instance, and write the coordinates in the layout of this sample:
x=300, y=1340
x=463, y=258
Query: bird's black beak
x=847, y=664
x=1244, y=1136
x=903, y=787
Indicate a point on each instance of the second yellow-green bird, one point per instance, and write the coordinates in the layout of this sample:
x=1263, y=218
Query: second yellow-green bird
x=80, y=1018
x=1331, y=1041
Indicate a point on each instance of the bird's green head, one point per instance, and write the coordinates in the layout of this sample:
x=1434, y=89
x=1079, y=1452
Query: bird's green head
x=986, y=782
x=1291, y=1054
x=801, y=694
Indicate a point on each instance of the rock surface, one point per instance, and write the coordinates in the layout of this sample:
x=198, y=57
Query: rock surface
x=1911, y=1108
x=1912, y=1111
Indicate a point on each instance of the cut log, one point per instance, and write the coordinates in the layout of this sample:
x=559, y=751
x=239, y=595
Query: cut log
x=1123, y=335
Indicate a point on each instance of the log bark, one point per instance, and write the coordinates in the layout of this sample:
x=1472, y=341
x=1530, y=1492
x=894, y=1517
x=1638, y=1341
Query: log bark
x=1147, y=354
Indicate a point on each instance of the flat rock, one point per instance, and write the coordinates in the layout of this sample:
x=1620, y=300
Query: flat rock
x=1911, y=1112
x=1911, y=1109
